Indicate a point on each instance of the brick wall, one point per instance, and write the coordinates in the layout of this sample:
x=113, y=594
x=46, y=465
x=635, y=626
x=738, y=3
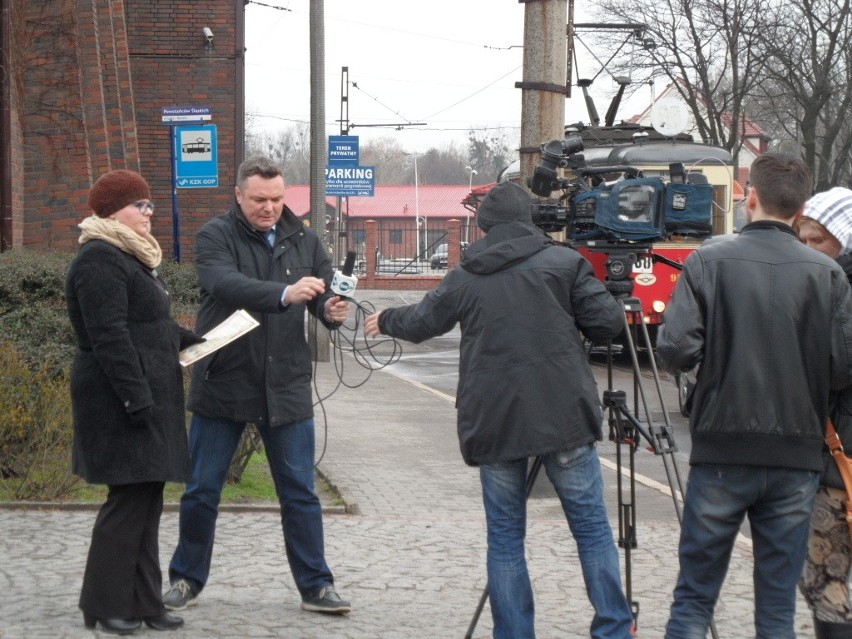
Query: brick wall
x=98, y=73
x=55, y=162
x=172, y=65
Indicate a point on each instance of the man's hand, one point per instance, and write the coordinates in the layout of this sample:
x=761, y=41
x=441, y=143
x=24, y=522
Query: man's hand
x=371, y=326
x=337, y=310
x=304, y=290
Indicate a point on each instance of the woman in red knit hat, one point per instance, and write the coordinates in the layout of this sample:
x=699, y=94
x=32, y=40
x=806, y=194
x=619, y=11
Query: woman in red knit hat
x=127, y=400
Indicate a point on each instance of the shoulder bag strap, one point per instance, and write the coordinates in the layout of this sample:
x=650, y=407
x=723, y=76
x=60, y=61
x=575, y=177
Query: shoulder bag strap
x=844, y=465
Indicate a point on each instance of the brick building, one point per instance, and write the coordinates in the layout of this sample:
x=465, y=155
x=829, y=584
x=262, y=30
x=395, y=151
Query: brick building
x=394, y=208
x=83, y=85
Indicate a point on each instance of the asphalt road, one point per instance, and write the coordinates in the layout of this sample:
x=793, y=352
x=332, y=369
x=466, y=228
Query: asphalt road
x=434, y=363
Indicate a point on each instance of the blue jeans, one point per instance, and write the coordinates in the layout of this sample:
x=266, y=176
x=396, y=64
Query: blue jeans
x=576, y=476
x=290, y=451
x=778, y=502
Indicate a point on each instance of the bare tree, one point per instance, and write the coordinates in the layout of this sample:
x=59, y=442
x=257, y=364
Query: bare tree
x=290, y=147
x=389, y=158
x=709, y=49
x=492, y=153
x=807, y=92
x=443, y=166
x=394, y=165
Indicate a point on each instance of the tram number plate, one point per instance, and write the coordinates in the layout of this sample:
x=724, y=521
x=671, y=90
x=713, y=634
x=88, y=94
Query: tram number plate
x=644, y=264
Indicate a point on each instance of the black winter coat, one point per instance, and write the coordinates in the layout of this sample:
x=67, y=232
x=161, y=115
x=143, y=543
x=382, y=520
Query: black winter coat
x=126, y=360
x=841, y=411
x=770, y=322
x=525, y=385
x=264, y=376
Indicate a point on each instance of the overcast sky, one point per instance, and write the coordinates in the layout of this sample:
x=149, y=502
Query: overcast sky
x=452, y=64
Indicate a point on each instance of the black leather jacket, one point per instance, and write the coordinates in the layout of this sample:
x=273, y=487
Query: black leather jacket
x=770, y=322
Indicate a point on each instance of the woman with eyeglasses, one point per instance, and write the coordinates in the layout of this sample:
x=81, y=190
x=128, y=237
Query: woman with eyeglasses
x=127, y=400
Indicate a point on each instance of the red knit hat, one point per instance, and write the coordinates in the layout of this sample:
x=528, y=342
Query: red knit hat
x=114, y=190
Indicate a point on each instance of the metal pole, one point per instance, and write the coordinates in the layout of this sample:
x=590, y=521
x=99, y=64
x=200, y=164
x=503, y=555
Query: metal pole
x=318, y=335
x=471, y=171
x=417, y=209
x=175, y=212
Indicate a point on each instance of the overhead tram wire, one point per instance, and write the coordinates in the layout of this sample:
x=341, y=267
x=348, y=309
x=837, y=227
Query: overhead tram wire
x=398, y=126
x=271, y=6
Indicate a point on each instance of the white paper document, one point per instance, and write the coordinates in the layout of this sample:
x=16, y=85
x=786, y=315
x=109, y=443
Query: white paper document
x=237, y=325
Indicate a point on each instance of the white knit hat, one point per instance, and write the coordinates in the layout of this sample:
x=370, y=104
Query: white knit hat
x=833, y=209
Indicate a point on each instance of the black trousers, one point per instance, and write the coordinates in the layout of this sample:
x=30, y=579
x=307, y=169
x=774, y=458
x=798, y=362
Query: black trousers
x=123, y=579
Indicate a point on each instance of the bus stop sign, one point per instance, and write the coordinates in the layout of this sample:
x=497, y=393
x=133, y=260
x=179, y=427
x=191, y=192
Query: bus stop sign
x=196, y=156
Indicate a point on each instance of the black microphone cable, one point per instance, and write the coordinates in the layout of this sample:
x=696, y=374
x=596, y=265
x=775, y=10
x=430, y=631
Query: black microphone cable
x=348, y=340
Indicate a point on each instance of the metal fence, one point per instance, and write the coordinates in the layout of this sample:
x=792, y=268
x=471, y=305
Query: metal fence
x=403, y=248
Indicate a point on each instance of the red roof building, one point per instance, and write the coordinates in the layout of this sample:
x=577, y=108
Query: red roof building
x=395, y=208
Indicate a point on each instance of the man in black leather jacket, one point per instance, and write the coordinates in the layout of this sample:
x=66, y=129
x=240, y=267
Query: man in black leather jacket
x=770, y=322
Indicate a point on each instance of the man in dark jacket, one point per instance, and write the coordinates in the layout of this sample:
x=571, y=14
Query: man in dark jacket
x=526, y=389
x=770, y=322
x=258, y=257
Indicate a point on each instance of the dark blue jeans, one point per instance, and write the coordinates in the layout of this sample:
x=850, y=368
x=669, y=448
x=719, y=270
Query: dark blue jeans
x=576, y=476
x=778, y=503
x=290, y=451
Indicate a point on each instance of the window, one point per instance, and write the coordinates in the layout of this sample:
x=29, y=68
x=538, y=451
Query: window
x=396, y=236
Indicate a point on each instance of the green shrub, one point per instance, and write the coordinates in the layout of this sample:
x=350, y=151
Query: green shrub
x=35, y=430
x=182, y=282
x=33, y=316
x=36, y=350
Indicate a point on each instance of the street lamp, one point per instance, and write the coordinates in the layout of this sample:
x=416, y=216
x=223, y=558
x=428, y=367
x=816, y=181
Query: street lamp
x=471, y=171
x=417, y=210
x=417, y=206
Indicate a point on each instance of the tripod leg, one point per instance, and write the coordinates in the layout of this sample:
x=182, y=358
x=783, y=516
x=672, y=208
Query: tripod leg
x=532, y=475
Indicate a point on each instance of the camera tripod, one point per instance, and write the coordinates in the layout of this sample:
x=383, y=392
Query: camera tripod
x=626, y=430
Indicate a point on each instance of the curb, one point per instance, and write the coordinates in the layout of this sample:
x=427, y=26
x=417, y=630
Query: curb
x=170, y=507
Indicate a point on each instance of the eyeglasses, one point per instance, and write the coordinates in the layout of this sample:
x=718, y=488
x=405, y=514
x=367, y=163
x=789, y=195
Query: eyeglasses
x=144, y=206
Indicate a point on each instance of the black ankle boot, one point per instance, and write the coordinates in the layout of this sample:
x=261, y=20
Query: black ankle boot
x=112, y=626
x=164, y=621
x=828, y=630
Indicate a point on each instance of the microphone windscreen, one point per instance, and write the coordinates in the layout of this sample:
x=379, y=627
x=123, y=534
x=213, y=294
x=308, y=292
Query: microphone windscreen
x=349, y=264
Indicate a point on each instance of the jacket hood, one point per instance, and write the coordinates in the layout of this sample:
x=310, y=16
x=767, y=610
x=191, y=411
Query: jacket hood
x=505, y=203
x=505, y=245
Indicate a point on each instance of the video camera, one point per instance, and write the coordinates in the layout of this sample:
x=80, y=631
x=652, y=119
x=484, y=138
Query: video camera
x=629, y=208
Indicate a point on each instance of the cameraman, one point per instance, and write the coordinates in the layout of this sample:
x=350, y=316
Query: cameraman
x=526, y=390
x=770, y=322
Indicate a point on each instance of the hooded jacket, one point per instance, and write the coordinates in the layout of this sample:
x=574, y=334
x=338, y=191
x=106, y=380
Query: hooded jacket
x=523, y=304
x=770, y=322
x=264, y=376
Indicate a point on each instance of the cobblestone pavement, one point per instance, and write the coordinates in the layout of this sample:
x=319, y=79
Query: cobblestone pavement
x=411, y=559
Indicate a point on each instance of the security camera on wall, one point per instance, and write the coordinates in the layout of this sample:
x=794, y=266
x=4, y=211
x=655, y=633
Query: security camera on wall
x=208, y=34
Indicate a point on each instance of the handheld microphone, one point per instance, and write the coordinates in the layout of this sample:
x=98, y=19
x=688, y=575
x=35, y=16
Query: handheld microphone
x=343, y=283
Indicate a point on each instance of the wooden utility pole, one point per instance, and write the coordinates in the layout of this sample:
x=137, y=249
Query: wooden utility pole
x=318, y=336
x=545, y=84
